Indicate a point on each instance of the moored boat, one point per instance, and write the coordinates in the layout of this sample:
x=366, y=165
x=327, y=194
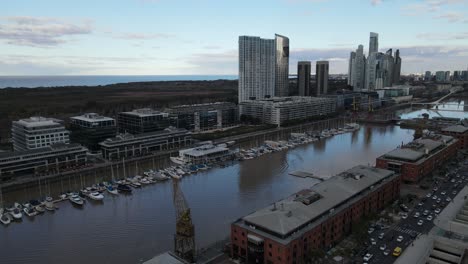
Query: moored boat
x=29, y=211
x=5, y=219
x=16, y=213
x=96, y=196
x=76, y=200
x=124, y=188
x=111, y=190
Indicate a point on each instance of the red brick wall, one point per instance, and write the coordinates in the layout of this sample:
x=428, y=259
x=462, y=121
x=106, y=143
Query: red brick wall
x=322, y=236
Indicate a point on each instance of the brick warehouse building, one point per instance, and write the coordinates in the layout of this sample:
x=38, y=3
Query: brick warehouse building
x=419, y=157
x=458, y=131
x=317, y=218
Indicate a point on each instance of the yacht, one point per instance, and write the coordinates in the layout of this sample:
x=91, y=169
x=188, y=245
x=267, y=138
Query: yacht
x=16, y=213
x=39, y=208
x=29, y=211
x=76, y=200
x=124, y=188
x=96, y=196
x=5, y=219
x=111, y=190
x=49, y=206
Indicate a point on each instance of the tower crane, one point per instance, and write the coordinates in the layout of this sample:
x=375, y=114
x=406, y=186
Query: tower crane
x=184, y=238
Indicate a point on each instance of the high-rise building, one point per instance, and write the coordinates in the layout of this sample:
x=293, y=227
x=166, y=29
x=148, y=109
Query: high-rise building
x=38, y=132
x=282, y=66
x=303, y=78
x=321, y=77
x=358, y=69
x=373, y=42
x=440, y=76
x=427, y=76
x=447, y=76
x=371, y=68
x=352, y=61
x=263, y=67
x=397, y=68
x=464, y=75
x=256, y=68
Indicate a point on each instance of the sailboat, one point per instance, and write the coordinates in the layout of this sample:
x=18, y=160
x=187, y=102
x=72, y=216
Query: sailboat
x=109, y=188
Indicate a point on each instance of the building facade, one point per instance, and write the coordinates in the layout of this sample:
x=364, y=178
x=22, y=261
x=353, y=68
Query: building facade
x=428, y=76
x=303, y=78
x=321, y=77
x=397, y=68
x=292, y=229
x=420, y=157
x=128, y=146
x=282, y=66
x=358, y=69
x=53, y=158
x=373, y=43
x=142, y=121
x=256, y=68
x=281, y=110
x=38, y=132
x=201, y=117
x=89, y=129
x=458, y=131
x=440, y=76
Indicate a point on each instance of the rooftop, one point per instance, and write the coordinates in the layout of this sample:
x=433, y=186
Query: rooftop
x=126, y=137
x=289, y=100
x=203, y=150
x=309, y=205
x=57, y=146
x=92, y=117
x=165, y=258
x=456, y=129
x=143, y=112
x=38, y=121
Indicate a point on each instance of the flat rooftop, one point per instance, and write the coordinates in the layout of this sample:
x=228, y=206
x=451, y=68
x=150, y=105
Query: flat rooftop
x=57, y=146
x=310, y=205
x=39, y=121
x=128, y=137
x=92, y=117
x=203, y=150
x=456, y=129
x=143, y=112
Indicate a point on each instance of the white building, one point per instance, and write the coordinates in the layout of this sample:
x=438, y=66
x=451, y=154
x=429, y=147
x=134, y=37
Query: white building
x=204, y=154
x=263, y=67
x=280, y=110
x=373, y=43
x=38, y=132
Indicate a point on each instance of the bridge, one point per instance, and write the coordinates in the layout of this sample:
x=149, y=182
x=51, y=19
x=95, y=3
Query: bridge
x=438, y=102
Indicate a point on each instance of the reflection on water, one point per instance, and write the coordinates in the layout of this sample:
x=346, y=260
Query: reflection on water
x=453, y=107
x=128, y=229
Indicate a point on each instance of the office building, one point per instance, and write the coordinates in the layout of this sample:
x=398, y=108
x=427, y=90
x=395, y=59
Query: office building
x=281, y=110
x=428, y=76
x=303, y=78
x=89, y=129
x=317, y=218
x=440, y=76
x=352, y=60
x=371, y=71
x=142, y=121
x=457, y=76
x=447, y=76
x=128, y=146
x=263, y=67
x=50, y=159
x=373, y=43
x=202, y=117
x=397, y=68
x=282, y=66
x=464, y=75
x=418, y=158
x=357, y=69
x=321, y=77
x=38, y=132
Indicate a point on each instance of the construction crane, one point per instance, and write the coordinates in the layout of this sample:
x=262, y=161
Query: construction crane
x=184, y=238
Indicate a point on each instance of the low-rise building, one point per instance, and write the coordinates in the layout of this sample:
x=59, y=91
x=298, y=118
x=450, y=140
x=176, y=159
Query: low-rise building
x=89, y=129
x=290, y=230
x=281, y=110
x=203, y=154
x=142, y=121
x=128, y=145
x=53, y=158
x=209, y=116
x=38, y=132
x=419, y=157
x=458, y=131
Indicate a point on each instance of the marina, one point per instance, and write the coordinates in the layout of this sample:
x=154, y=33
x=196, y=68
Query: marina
x=141, y=224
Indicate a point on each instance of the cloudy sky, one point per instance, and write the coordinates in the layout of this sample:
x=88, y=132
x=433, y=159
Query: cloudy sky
x=161, y=37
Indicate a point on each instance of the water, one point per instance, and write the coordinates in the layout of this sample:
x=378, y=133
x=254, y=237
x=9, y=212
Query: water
x=129, y=229
x=451, y=108
x=92, y=80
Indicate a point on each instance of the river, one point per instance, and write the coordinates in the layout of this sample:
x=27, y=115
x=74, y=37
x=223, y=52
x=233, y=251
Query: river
x=134, y=228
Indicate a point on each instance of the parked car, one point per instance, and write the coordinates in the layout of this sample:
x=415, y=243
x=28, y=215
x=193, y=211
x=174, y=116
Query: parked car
x=367, y=257
x=399, y=239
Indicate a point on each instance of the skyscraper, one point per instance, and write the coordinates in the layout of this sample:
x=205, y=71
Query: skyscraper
x=282, y=66
x=303, y=78
x=352, y=61
x=358, y=69
x=447, y=76
x=397, y=68
x=321, y=77
x=373, y=43
x=256, y=68
x=427, y=76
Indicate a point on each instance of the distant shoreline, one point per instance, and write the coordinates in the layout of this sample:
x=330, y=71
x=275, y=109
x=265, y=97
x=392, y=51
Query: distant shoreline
x=56, y=81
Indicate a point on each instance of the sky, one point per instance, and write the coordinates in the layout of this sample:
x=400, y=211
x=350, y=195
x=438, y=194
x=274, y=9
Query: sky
x=188, y=37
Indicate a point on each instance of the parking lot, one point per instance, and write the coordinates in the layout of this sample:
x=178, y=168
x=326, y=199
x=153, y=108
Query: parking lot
x=416, y=220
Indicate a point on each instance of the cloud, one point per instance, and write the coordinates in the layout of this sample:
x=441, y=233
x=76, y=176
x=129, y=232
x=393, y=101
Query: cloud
x=376, y=2
x=40, y=31
x=143, y=36
x=443, y=36
x=451, y=16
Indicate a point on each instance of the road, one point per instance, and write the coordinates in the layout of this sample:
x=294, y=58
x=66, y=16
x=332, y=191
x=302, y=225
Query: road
x=442, y=192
